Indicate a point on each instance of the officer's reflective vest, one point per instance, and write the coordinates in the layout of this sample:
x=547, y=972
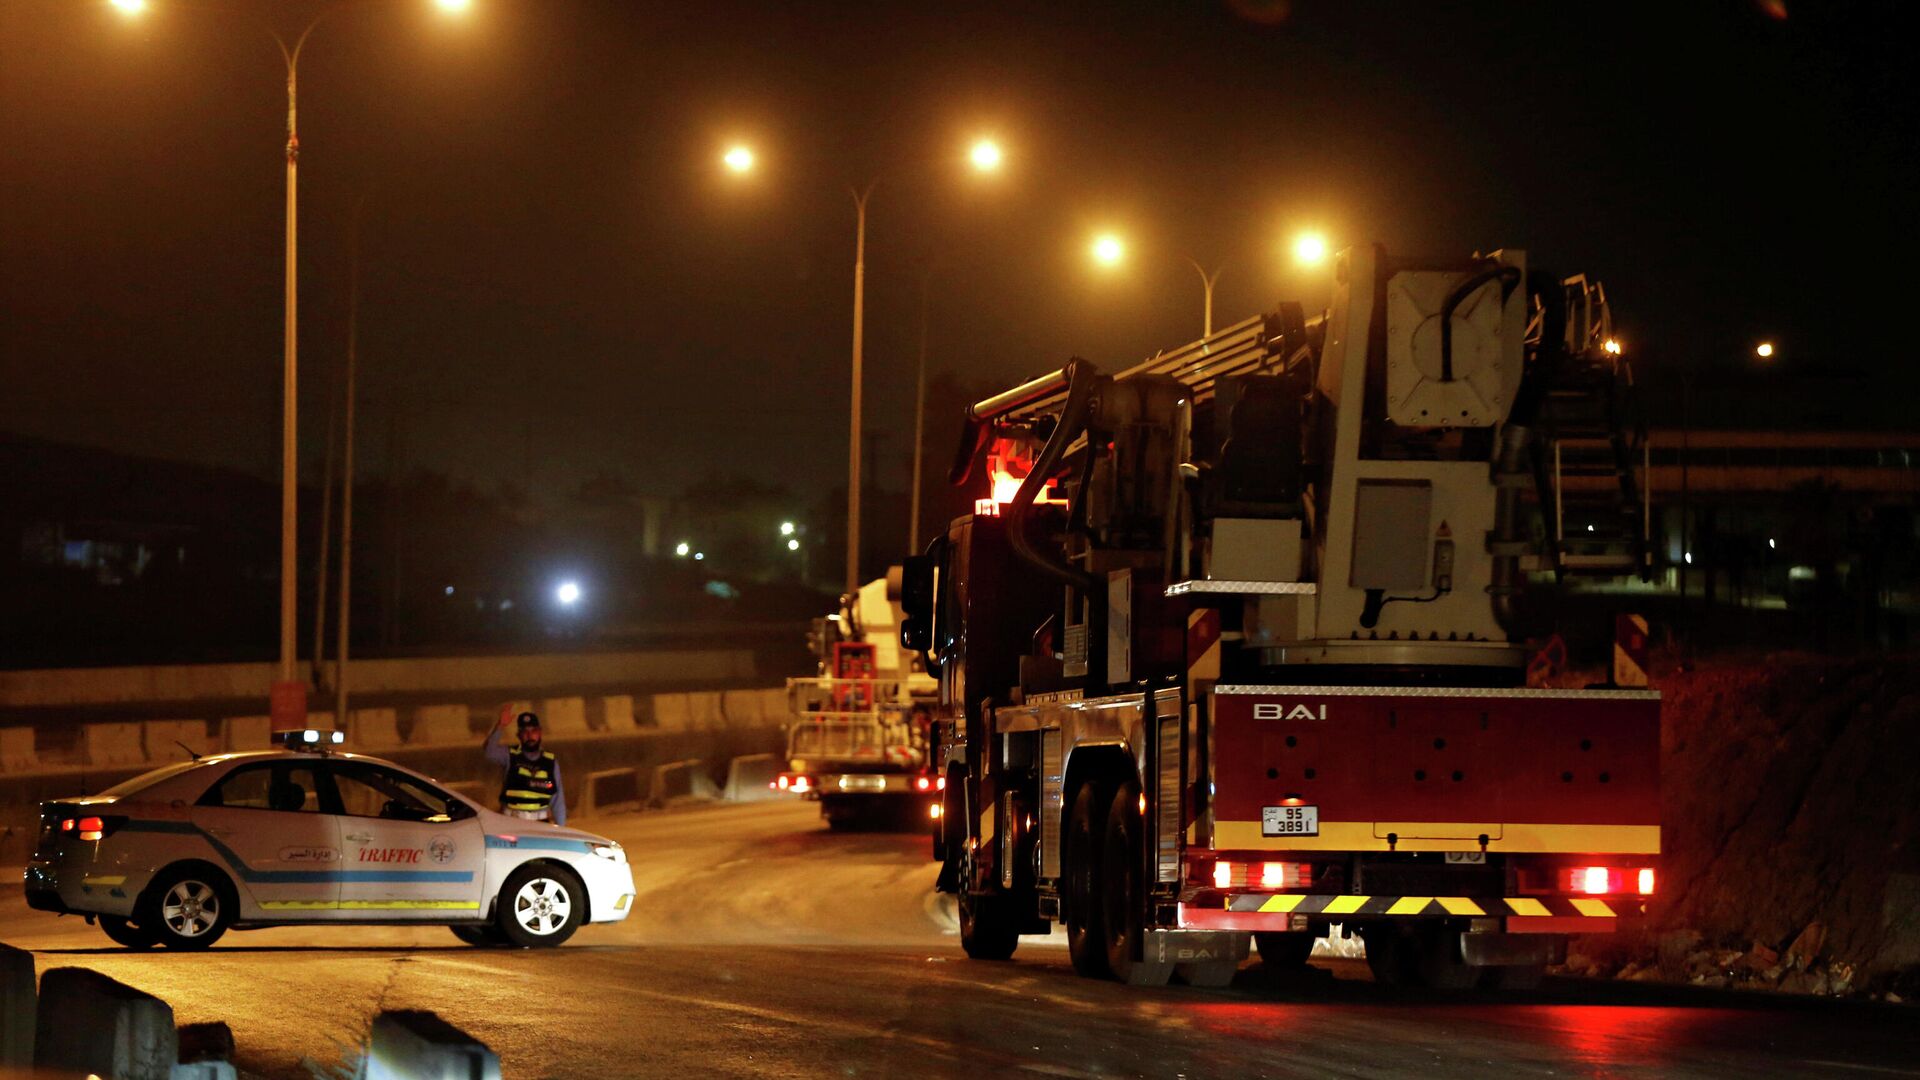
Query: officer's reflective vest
x=529, y=784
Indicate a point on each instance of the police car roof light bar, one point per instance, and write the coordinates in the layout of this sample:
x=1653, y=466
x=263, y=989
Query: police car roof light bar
x=309, y=739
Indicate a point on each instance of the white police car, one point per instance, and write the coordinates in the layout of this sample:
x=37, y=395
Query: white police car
x=179, y=855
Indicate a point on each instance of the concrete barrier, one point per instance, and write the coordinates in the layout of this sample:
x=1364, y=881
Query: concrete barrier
x=750, y=778
x=563, y=716
x=672, y=712
x=680, y=780
x=372, y=729
x=418, y=1045
x=163, y=740
x=774, y=707
x=741, y=708
x=613, y=714
x=703, y=712
x=438, y=725
x=111, y=744
x=92, y=1024
x=17, y=752
x=246, y=733
x=612, y=789
x=18, y=1007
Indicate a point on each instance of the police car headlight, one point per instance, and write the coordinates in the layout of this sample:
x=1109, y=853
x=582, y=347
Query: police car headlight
x=609, y=851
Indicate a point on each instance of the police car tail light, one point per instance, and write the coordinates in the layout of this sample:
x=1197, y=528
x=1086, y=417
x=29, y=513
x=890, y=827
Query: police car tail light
x=92, y=828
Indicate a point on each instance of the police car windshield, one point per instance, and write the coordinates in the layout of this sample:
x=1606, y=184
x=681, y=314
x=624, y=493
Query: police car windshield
x=147, y=780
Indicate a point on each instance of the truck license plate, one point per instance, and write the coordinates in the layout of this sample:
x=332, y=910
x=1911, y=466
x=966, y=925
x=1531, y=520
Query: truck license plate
x=1289, y=821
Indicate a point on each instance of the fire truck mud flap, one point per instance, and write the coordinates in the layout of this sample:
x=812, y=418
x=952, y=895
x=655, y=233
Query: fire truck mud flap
x=1195, y=946
x=1512, y=950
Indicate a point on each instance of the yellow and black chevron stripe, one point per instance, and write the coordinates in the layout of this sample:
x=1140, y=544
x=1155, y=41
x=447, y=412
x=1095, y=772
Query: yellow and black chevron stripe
x=1526, y=906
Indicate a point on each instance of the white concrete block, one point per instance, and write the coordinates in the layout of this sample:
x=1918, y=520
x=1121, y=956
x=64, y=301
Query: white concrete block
x=246, y=733
x=749, y=778
x=92, y=1024
x=775, y=707
x=439, y=725
x=375, y=729
x=111, y=744
x=563, y=716
x=704, y=712
x=672, y=712
x=18, y=1004
x=742, y=708
x=17, y=751
x=613, y=713
x=418, y=1045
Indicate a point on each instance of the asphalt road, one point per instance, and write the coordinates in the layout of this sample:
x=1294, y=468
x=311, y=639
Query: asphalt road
x=763, y=945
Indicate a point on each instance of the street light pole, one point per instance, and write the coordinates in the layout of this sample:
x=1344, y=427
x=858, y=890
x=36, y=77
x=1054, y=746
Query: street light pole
x=853, y=442
x=919, y=421
x=1206, y=282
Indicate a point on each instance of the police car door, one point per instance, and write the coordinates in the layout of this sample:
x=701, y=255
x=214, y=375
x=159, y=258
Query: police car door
x=264, y=822
x=410, y=849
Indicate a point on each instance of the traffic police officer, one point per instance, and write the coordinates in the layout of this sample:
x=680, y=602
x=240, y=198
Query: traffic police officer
x=531, y=787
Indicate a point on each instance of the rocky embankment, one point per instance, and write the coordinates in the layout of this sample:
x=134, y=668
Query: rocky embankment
x=1792, y=829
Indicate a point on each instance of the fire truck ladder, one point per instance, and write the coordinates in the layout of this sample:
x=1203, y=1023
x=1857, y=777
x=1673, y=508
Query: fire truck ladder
x=1591, y=458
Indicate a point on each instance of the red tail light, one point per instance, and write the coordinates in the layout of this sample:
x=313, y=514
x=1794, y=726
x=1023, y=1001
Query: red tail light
x=940, y=784
x=802, y=784
x=921, y=783
x=783, y=782
x=66, y=825
x=1223, y=874
x=1607, y=880
x=1285, y=875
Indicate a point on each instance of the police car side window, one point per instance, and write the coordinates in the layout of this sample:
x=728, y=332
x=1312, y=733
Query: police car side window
x=287, y=788
x=370, y=791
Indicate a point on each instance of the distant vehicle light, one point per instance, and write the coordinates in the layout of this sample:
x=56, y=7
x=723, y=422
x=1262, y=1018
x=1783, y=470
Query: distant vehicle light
x=1593, y=880
x=66, y=825
x=940, y=783
x=568, y=593
x=92, y=828
x=683, y=549
x=1646, y=881
x=1222, y=874
x=786, y=528
x=793, y=545
x=934, y=811
x=921, y=783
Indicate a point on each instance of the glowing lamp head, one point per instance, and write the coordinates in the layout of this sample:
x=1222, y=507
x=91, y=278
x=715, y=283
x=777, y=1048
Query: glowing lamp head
x=1108, y=249
x=1310, y=249
x=985, y=155
x=1764, y=350
x=786, y=528
x=793, y=545
x=1613, y=346
x=683, y=549
x=454, y=7
x=568, y=593
x=738, y=159
x=130, y=7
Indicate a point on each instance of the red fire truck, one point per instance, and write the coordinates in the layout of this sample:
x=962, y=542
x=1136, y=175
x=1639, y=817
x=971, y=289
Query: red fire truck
x=1236, y=656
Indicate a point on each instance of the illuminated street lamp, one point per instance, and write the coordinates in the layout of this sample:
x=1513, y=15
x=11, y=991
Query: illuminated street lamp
x=1206, y=283
x=288, y=700
x=1310, y=248
x=793, y=545
x=786, y=528
x=1108, y=250
x=985, y=156
x=568, y=593
x=683, y=549
x=738, y=159
x=1764, y=350
x=1612, y=346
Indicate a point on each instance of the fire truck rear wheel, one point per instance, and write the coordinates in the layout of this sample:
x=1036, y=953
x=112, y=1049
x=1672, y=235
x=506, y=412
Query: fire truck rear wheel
x=1122, y=892
x=1086, y=940
x=988, y=929
x=1439, y=962
x=1390, y=954
x=1284, y=950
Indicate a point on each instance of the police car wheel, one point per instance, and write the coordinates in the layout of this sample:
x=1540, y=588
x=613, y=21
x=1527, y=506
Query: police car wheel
x=540, y=906
x=189, y=908
x=126, y=933
x=483, y=937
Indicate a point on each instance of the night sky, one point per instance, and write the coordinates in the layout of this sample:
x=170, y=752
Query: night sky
x=560, y=280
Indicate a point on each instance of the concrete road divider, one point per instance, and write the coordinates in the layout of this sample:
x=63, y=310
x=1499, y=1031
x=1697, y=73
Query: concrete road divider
x=174, y=740
x=672, y=712
x=17, y=753
x=439, y=725
x=703, y=712
x=372, y=729
x=418, y=1045
x=18, y=1006
x=612, y=789
x=749, y=778
x=92, y=1024
x=111, y=744
x=742, y=708
x=563, y=716
x=774, y=707
x=613, y=714
x=678, y=780
x=246, y=733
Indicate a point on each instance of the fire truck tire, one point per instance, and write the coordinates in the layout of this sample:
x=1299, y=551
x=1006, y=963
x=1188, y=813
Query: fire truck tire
x=988, y=927
x=1439, y=963
x=1517, y=977
x=1390, y=955
x=1122, y=892
x=1086, y=941
x=1284, y=951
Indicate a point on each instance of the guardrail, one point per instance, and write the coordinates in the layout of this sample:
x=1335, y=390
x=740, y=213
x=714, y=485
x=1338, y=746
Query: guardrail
x=612, y=789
